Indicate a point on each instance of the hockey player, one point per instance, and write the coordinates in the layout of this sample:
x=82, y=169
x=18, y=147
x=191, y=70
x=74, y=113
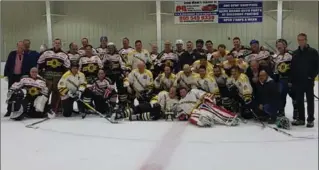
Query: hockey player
x=140, y=83
x=239, y=50
x=199, y=51
x=186, y=78
x=241, y=90
x=73, y=54
x=179, y=48
x=282, y=73
x=166, y=57
x=257, y=52
x=85, y=42
x=165, y=80
x=114, y=68
x=210, y=49
x=125, y=50
x=52, y=64
x=154, y=53
x=71, y=86
x=200, y=109
x=139, y=54
x=102, y=92
x=90, y=64
x=162, y=105
x=206, y=82
x=202, y=61
x=233, y=62
x=102, y=49
x=29, y=97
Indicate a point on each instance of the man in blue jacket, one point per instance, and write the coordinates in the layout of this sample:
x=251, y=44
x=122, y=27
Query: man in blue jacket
x=19, y=63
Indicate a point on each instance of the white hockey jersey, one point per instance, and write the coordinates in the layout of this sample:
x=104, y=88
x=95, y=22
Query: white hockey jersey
x=243, y=84
x=140, y=81
x=186, y=81
x=81, y=51
x=34, y=87
x=190, y=101
x=260, y=56
x=101, y=52
x=208, y=84
x=74, y=57
x=124, y=53
x=113, y=62
x=70, y=82
x=163, y=82
x=135, y=57
x=167, y=103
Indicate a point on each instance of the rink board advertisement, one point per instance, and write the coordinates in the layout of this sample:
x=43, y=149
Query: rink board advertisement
x=192, y=12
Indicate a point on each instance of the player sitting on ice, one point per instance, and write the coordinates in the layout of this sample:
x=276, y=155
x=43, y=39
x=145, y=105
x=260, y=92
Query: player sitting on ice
x=29, y=97
x=103, y=94
x=200, y=109
x=162, y=105
x=71, y=86
x=241, y=91
x=165, y=81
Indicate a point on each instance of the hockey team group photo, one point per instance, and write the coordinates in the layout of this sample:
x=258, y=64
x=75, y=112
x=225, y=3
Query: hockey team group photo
x=134, y=86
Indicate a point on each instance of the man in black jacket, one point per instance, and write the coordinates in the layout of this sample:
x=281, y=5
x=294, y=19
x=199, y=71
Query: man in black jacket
x=268, y=97
x=304, y=69
x=187, y=57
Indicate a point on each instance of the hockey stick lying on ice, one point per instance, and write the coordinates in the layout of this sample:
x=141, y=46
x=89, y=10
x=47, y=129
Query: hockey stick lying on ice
x=281, y=131
x=111, y=120
x=51, y=115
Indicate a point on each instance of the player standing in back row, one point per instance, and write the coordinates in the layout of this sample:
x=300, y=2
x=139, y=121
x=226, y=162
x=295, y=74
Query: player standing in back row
x=52, y=64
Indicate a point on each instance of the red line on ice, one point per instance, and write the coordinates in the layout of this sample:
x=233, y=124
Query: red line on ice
x=160, y=157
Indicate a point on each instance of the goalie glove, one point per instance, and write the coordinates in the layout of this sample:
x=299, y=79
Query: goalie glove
x=182, y=116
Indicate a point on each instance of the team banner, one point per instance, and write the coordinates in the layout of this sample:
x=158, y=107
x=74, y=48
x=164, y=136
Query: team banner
x=190, y=12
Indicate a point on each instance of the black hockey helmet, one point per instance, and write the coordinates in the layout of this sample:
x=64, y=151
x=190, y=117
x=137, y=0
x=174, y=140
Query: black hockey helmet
x=74, y=64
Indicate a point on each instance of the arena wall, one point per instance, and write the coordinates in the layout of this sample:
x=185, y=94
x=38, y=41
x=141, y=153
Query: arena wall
x=135, y=20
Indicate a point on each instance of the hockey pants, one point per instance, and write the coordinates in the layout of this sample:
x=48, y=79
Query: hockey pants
x=144, y=112
x=67, y=106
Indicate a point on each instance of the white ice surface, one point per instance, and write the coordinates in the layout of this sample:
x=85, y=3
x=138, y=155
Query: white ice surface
x=94, y=144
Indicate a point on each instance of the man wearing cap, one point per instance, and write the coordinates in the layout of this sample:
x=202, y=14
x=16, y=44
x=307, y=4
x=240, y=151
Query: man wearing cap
x=102, y=49
x=179, y=48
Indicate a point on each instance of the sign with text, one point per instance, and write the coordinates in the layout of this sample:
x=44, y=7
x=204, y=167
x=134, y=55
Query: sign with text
x=189, y=12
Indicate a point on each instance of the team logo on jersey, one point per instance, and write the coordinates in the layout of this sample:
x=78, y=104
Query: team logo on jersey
x=90, y=68
x=33, y=91
x=283, y=67
x=54, y=63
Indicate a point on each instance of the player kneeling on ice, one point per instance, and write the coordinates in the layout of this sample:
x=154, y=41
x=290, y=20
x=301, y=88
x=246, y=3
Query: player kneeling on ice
x=162, y=105
x=200, y=109
x=71, y=86
x=103, y=94
x=29, y=97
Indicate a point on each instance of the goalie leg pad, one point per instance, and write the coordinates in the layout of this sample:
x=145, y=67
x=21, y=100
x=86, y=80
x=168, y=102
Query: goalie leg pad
x=17, y=111
x=220, y=115
x=201, y=118
x=40, y=103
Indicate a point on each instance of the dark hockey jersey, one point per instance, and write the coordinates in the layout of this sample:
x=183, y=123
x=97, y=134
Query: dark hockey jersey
x=90, y=66
x=282, y=64
x=34, y=87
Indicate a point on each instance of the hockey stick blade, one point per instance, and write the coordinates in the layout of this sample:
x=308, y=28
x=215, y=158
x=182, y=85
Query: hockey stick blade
x=32, y=125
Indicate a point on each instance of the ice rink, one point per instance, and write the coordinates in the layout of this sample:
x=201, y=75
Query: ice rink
x=95, y=144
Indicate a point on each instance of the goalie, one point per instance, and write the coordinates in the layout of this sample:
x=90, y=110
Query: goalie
x=162, y=105
x=200, y=109
x=29, y=97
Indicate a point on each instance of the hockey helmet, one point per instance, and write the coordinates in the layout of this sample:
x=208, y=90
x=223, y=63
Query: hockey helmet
x=283, y=122
x=103, y=38
x=179, y=42
x=110, y=44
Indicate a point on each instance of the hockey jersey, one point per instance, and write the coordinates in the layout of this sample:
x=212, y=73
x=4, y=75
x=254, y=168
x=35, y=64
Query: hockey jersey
x=192, y=99
x=90, y=66
x=189, y=82
x=164, y=82
x=208, y=84
x=113, y=63
x=243, y=85
x=74, y=58
x=261, y=55
x=197, y=64
x=241, y=52
x=165, y=57
x=139, y=81
x=124, y=53
x=81, y=51
x=53, y=63
x=71, y=82
x=34, y=87
x=101, y=52
x=167, y=103
x=282, y=64
x=227, y=66
x=134, y=57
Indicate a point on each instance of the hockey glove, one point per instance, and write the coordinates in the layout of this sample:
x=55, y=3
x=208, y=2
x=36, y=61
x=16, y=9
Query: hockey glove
x=72, y=94
x=182, y=116
x=79, y=94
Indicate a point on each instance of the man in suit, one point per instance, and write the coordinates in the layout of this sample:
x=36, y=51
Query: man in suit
x=18, y=64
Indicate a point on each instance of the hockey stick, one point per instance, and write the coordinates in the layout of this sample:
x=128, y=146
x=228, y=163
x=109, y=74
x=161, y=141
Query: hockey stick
x=50, y=116
x=316, y=96
x=111, y=120
x=256, y=117
x=279, y=130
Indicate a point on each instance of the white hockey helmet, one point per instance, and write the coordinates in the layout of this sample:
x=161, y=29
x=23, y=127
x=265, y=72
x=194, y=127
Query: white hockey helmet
x=179, y=42
x=110, y=44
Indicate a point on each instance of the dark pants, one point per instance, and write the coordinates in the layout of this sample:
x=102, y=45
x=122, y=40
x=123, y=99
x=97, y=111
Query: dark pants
x=67, y=106
x=300, y=90
x=155, y=111
x=284, y=91
x=12, y=79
